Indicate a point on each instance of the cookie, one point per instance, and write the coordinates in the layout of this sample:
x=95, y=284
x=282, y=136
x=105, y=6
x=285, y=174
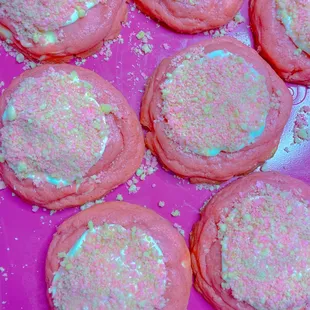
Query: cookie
x=191, y=16
x=55, y=31
x=118, y=256
x=67, y=137
x=281, y=30
x=214, y=110
x=251, y=247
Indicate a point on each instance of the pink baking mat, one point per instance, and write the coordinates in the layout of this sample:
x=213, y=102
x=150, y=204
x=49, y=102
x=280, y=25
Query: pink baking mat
x=25, y=235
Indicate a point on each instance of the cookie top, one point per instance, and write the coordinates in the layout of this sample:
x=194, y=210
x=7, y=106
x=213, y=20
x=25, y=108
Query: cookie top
x=210, y=106
x=260, y=226
x=295, y=16
x=67, y=136
x=54, y=128
x=118, y=256
x=202, y=116
x=111, y=266
x=56, y=31
x=265, y=248
x=191, y=16
x=41, y=21
x=281, y=34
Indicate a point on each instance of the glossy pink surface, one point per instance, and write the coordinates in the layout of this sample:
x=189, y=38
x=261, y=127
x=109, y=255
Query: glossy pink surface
x=25, y=235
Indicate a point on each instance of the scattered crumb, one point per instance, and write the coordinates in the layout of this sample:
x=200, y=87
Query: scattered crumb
x=301, y=129
x=209, y=187
x=176, y=213
x=20, y=58
x=161, y=204
x=90, y=204
x=286, y=149
x=222, y=31
x=80, y=61
x=143, y=47
x=10, y=50
x=119, y=197
x=35, y=208
x=205, y=204
x=179, y=228
x=52, y=212
x=140, y=35
x=166, y=46
x=106, y=51
x=133, y=188
x=2, y=185
x=147, y=168
x=147, y=48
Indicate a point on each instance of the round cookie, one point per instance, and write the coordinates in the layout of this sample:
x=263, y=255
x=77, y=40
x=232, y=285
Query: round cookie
x=191, y=16
x=121, y=256
x=214, y=110
x=67, y=137
x=251, y=247
x=55, y=31
x=281, y=30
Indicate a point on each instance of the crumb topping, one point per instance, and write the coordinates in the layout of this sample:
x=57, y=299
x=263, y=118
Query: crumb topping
x=295, y=16
x=111, y=267
x=54, y=128
x=40, y=21
x=214, y=102
x=266, y=248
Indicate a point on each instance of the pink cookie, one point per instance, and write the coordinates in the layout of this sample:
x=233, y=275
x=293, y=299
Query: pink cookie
x=118, y=256
x=214, y=110
x=67, y=137
x=55, y=31
x=251, y=247
x=191, y=16
x=282, y=40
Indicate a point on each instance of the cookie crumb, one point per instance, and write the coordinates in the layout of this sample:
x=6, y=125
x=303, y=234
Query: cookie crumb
x=35, y=208
x=119, y=197
x=179, y=228
x=161, y=204
x=175, y=213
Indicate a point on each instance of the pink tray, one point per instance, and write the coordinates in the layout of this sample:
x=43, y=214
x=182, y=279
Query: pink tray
x=25, y=235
